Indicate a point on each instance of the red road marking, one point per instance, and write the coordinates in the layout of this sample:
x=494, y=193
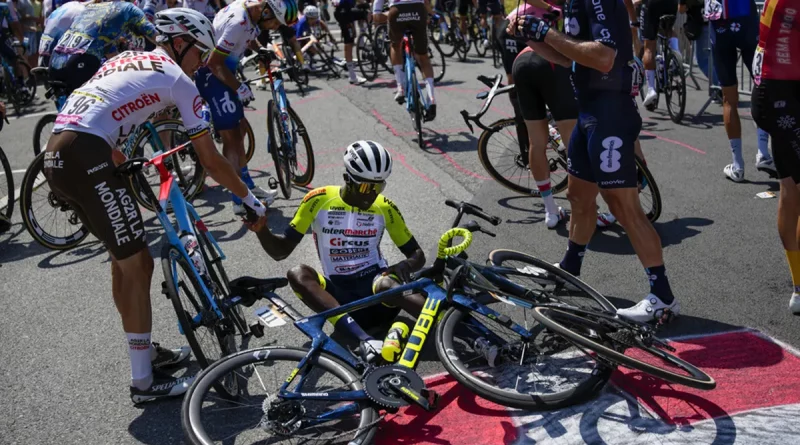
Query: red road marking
x=672, y=141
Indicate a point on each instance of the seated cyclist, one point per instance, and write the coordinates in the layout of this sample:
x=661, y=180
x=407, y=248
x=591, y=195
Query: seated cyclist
x=494, y=8
x=309, y=27
x=236, y=27
x=348, y=223
x=80, y=169
x=57, y=24
x=94, y=36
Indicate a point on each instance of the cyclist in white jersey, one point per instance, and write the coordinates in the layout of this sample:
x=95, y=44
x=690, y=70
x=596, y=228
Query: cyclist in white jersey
x=409, y=15
x=80, y=168
x=236, y=27
x=56, y=25
x=151, y=7
x=208, y=8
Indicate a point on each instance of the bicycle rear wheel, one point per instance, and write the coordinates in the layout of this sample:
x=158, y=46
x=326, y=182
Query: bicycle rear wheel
x=249, y=139
x=481, y=42
x=260, y=416
x=675, y=87
x=649, y=196
x=382, y=38
x=302, y=163
x=622, y=343
x=6, y=187
x=447, y=42
x=367, y=63
x=278, y=149
x=48, y=218
x=209, y=337
x=501, y=156
x=42, y=132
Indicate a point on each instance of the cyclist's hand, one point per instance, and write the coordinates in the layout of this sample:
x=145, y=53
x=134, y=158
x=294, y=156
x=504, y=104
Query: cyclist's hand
x=534, y=28
x=251, y=202
x=401, y=269
x=245, y=95
x=118, y=157
x=512, y=26
x=256, y=226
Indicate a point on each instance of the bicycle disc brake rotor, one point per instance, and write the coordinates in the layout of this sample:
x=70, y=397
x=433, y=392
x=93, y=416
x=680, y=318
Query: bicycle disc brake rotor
x=376, y=384
x=283, y=417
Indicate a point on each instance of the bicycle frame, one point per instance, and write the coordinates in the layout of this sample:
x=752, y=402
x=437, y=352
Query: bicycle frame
x=411, y=77
x=495, y=89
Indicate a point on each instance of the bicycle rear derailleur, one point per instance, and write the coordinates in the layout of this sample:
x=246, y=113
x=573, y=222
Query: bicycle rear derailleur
x=393, y=387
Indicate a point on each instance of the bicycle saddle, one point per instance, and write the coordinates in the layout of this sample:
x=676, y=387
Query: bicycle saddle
x=250, y=284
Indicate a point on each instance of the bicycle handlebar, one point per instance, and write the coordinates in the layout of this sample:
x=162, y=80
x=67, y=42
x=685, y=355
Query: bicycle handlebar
x=472, y=209
x=496, y=87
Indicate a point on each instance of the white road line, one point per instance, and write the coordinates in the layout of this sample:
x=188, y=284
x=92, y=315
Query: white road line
x=14, y=172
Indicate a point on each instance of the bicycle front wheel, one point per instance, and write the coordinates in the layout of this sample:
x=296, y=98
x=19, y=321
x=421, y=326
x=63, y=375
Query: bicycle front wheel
x=209, y=337
x=249, y=139
x=675, y=89
x=49, y=219
x=278, y=149
x=367, y=63
x=6, y=187
x=622, y=343
x=42, y=132
x=261, y=416
x=649, y=196
x=507, y=163
x=302, y=163
x=438, y=63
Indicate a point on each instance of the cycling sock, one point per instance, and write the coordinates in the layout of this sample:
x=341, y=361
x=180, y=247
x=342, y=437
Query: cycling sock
x=763, y=143
x=793, y=257
x=345, y=323
x=399, y=77
x=139, y=353
x=245, y=175
x=659, y=284
x=736, y=148
x=673, y=43
x=547, y=196
x=573, y=259
x=651, y=79
x=236, y=200
x=351, y=68
x=431, y=95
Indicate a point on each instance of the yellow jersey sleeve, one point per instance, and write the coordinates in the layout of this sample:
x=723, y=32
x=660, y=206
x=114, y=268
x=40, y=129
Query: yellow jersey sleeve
x=312, y=203
x=396, y=225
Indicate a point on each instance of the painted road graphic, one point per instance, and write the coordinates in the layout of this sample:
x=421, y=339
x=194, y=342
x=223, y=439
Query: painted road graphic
x=757, y=401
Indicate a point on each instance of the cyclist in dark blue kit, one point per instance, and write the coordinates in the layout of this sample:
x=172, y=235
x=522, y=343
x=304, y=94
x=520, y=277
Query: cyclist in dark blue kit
x=597, y=41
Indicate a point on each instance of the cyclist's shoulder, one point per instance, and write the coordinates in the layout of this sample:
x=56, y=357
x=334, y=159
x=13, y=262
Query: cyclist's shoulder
x=319, y=198
x=388, y=208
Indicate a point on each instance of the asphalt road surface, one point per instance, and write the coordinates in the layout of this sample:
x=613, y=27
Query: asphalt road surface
x=63, y=362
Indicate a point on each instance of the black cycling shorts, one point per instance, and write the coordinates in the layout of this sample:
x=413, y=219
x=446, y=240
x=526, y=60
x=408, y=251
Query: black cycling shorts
x=345, y=16
x=411, y=17
x=511, y=49
x=491, y=6
x=541, y=85
x=725, y=42
x=464, y=6
x=79, y=169
x=651, y=13
x=77, y=71
x=776, y=110
x=346, y=289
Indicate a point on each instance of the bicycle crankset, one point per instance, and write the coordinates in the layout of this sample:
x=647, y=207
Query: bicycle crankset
x=397, y=386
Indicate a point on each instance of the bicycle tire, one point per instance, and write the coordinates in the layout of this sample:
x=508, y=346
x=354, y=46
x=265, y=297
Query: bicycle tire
x=282, y=170
x=447, y=45
x=417, y=109
x=557, y=163
x=550, y=316
x=189, y=188
x=479, y=42
x=221, y=332
x=250, y=140
x=459, y=370
x=462, y=48
x=10, y=90
x=675, y=114
x=191, y=409
x=381, y=37
x=8, y=193
x=304, y=179
x=366, y=57
x=33, y=181
x=438, y=68
x=497, y=55
x=40, y=129
x=645, y=180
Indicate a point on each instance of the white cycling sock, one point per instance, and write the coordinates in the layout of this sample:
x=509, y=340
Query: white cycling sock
x=547, y=196
x=431, y=95
x=763, y=143
x=351, y=68
x=673, y=43
x=651, y=79
x=399, y=77
x=139, y=354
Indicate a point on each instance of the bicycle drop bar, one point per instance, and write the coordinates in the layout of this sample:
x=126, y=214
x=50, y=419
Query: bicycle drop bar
x=472, y=209
x=496, y=88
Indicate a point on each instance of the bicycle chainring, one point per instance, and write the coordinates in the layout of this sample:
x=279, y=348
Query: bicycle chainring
x=376, y=385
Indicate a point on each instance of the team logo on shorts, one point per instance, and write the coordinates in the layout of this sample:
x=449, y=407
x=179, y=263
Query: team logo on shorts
x=786, y=122
x=609, y=158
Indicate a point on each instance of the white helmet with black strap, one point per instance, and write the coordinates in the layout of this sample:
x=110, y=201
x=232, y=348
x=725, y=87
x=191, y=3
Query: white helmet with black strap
x=367, y=161
x=185, y=22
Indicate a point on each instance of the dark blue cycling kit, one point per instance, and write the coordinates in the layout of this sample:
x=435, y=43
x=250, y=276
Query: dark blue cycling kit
x=734, y=26
x=601, y=146
x=302, y=27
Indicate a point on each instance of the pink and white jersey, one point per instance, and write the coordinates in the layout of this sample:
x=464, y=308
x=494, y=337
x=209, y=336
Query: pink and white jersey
x=125, y=91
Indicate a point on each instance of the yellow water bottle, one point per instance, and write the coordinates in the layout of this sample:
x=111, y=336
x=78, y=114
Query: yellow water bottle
x=394, y=341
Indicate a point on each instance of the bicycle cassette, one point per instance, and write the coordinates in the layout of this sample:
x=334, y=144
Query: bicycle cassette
x=381, y=382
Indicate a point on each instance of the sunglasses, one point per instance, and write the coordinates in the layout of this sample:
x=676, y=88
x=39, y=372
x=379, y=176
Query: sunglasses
x=365, y=187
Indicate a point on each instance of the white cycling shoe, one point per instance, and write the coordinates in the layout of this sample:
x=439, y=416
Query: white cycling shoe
x=794, y=304
x=735, y=175
x=766, y=165
x=399, y=96
x=650, y=97
x=649, y=309
x=605, y=219
x=552, y=219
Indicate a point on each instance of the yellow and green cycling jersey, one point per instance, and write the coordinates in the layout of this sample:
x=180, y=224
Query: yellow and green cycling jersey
x=348, y=239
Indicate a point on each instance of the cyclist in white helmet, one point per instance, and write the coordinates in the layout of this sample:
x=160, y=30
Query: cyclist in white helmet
x=80, y=168
x=309, y=29
x=348, y=223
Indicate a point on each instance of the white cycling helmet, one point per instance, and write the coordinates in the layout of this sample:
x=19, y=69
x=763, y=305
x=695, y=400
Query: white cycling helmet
x=311, y=12
x=367, y=161
x=284, y=10
x=176, y=22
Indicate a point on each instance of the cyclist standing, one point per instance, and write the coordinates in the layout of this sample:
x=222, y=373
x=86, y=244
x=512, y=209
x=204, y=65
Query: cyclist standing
x=649, y=18
x=597, y=41
x=347, y=12
x=734, y=25
x=348, y=223
x=412, y=16
x=776, y=108
x=79, y=166
x=236, y=27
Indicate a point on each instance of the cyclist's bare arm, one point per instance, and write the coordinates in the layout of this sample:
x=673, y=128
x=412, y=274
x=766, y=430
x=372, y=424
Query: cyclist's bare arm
x=216, y=63
x=217, y=166
x=541, y=4
x=278, y=247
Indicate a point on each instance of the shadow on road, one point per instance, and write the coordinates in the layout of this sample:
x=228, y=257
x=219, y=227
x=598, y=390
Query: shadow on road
x=615, y=241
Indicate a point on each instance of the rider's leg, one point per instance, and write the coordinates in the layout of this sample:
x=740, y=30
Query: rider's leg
x=733, y=125
x=410, y=303
x=350, y=32
x=649, y=61
x=130, y=286
x=396, y=54
x=420, y=34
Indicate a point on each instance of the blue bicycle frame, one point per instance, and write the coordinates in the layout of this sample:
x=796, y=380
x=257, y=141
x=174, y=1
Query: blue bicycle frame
x=411, y=79
x=282, y=102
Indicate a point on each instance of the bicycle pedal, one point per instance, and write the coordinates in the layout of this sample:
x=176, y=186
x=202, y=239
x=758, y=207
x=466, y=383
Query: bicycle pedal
x=426, y=398
x=257, y=330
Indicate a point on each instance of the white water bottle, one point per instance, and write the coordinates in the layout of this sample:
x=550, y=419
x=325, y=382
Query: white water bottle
x=192, y=249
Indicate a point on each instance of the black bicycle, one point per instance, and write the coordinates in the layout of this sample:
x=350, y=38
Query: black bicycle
x=6, y=183
x=670, y=75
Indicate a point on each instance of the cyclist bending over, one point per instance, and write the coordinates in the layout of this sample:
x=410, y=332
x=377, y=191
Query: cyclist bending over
x=412, y=16
x=80, y=168
x=348, y=223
